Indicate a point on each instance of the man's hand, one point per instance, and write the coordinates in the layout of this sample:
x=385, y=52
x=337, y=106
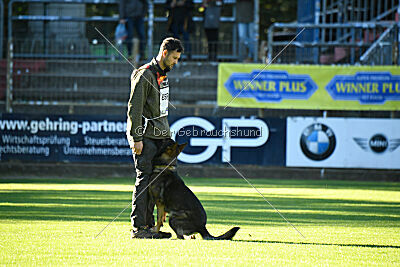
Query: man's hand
x=137, y=147
x=123, y=21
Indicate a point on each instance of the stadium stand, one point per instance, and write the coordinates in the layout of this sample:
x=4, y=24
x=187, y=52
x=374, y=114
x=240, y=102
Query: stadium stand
x=78, y=72
x=74, y=70
x=339, y=32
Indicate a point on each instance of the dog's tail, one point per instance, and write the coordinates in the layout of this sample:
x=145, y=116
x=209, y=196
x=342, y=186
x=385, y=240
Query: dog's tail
x=227, y=236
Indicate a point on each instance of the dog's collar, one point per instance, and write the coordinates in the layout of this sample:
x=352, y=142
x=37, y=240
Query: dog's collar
x=160, y=168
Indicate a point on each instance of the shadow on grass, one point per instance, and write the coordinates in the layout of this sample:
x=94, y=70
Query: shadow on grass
x=62, y=180
x=282, y=183
x=63, y=205
x=319, y=244
x=225, y=182
x=222, y=208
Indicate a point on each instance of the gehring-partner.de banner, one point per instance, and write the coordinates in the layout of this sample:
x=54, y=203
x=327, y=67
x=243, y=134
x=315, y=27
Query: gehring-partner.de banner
x=72, y=138
x=309, y=87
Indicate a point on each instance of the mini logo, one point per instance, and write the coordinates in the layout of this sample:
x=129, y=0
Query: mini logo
x=318, y=141
x=377, y=143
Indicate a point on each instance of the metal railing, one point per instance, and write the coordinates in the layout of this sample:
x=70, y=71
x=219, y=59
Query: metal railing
x=156, y=27
x=343, y=11
x=345, y=45
x=2, y=62
x=1, y=27
x=385, y=50
x=71, y=81
x=74, y=71
x=80, y=82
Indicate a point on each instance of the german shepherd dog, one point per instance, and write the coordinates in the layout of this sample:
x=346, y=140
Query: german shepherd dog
x=186, y=214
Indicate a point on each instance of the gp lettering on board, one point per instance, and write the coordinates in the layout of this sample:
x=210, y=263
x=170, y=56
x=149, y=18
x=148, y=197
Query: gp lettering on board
x=226, y=141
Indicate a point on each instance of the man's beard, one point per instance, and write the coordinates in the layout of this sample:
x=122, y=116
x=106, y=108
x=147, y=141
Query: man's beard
x=167, y=68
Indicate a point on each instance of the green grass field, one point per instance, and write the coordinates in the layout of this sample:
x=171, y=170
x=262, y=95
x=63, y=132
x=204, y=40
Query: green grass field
x=54, y=222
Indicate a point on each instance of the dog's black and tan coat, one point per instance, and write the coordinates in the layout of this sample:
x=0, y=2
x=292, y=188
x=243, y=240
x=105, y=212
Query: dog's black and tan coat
x=186, y=214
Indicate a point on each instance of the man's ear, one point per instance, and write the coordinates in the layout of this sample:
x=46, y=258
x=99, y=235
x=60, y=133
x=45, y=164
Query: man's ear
x=165, y=52
x=181, y=147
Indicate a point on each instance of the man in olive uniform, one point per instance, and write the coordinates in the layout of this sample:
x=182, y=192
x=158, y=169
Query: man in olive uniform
x=148, y=129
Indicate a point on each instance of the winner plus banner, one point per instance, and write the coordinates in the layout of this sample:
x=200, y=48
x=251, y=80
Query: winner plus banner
x=309, y=87
x=343, y=143
x=72, y=138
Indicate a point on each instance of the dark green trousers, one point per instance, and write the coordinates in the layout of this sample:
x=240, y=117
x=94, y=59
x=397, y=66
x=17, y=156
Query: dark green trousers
x=142, y=204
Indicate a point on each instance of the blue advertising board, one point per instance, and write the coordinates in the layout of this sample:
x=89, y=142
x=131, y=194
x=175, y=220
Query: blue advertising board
x=236, y=140
x=271, y=86
x=369, y=87
x=59, y=138
x=73, y=138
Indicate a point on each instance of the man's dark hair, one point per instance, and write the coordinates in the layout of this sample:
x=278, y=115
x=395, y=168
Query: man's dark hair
x=171, y=44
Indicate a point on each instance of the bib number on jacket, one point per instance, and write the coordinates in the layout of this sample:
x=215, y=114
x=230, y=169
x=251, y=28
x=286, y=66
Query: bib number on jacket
x=164, y=98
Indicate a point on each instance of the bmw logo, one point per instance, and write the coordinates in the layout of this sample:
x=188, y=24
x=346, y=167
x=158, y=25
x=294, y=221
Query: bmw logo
x=318, y=141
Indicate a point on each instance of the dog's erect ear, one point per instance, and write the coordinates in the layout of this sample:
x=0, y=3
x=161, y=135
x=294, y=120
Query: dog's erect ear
x=174, y=147
x=171, y=149
x=181, y=147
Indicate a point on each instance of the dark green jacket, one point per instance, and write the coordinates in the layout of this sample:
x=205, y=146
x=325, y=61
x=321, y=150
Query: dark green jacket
x=144, y=100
